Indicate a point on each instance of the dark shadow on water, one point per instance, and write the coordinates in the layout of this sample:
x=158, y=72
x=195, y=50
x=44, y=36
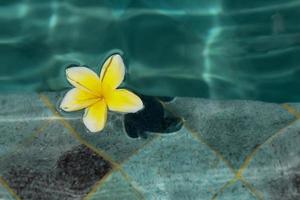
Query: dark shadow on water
x=153, y=118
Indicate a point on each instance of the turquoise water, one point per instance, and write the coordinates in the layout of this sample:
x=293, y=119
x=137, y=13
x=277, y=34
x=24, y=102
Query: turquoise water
x=220, y=49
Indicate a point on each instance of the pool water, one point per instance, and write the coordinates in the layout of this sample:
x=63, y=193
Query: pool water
x=219, y=81
x=220, y=49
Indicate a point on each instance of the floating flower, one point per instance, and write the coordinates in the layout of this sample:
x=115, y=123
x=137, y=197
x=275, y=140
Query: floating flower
x=96, y=93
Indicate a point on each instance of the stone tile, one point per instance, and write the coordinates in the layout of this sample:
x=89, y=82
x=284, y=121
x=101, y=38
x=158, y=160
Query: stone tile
x=295, y=106
x=236, y=191
x=53, y=166
x=176, y=166
x=20, y=116
x=42, y=150
x=13, y=133
x=114, y=188
x=22, y=107
x=112, y=139
x=275, y=169
x=4, y=194
x=233, y=128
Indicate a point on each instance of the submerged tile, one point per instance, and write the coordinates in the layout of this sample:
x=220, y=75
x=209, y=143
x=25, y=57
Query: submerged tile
x=81, y=168
x=41, y=150
x=22, y=107
x=20, y=116
x=53, y=166
x=4, y=194
x=177, y=167
x=14, y=133
x=114, y=187
x=112, y=139
x=234, y=128
x=275, y=169
x=235, y=191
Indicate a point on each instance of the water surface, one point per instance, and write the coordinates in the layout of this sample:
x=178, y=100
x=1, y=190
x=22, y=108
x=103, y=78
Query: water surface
x=220, y=49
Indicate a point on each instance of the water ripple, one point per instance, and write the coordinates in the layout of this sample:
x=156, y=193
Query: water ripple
x=216, y=49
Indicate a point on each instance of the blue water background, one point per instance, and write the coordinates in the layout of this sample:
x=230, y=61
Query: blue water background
x=219, y=49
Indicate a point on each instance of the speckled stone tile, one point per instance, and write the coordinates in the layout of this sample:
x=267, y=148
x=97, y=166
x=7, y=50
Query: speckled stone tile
x=4, y=194
x=112, y=139
x=233, y=128
x=177, y=167
x=295, y=106
x=20, y=116
x=22, y=107
x=53, y=165
x=236, y=191
x=115, y=187
x=275, y=169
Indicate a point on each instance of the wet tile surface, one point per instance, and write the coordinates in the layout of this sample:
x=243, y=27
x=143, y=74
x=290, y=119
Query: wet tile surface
x=177, y=167
x=275, y=169
x=236, y=191
x=52, y=165
x=41, y=158
x=113, y=139
x=234, y=128
x=115, y=187
x=4, y=194
x=21, y=115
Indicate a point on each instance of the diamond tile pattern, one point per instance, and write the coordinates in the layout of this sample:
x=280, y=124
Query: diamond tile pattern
x=282, y=155
x=236, y=191
x=115, y=188
x=233, y=128
x=53, y=166
x=113, y=138
x=177, y=167
x=21, y=115
x=226, y=150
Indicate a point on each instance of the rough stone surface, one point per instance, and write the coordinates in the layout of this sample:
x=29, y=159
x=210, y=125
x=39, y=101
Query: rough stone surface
x=236, y=191
x=115, y=188
x=275, y=169
x=177, y=167
x=42, y=158
x=4, y=194
x=234, y=128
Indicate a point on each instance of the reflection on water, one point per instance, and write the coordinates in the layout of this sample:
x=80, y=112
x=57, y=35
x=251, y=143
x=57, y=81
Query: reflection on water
x=217, y=49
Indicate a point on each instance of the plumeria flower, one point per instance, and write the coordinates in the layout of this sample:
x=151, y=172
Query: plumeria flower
x=96, y=94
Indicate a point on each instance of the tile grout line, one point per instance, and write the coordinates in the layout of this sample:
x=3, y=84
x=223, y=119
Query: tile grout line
x=74, y=133
x=290, y=110
x=256, y=148
x=9, y=189
x=97, y=185
x=235, y=173
x=251, y=189
x=71, y=130
x=202, y=141
x=139, y=149
x=129, y=181
x=29, y=138
x=199, y=139
x=222, y=189
x=238, y=174
x=35, y=133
